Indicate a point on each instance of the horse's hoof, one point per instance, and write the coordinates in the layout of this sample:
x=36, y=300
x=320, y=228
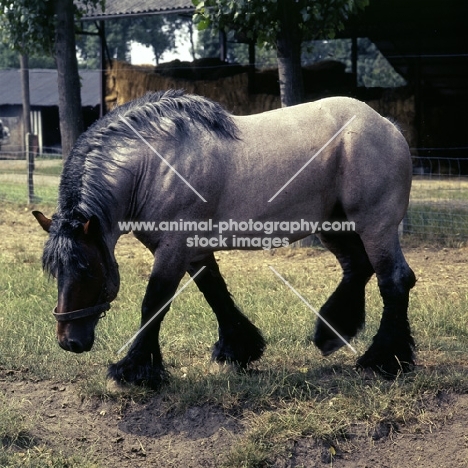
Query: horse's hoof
x=126, y=372
x=388, y=368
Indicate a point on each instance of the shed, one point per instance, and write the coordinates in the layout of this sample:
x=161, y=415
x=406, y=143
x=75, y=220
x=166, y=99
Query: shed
x=44, y=106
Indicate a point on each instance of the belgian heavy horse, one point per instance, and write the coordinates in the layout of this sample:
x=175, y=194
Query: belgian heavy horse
x=170, y=156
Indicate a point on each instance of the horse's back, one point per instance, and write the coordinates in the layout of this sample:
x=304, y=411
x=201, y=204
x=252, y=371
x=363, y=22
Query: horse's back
x=327, y=121
x=345, y=151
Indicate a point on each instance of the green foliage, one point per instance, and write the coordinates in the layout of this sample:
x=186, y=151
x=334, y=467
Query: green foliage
x=26, y=26
x=9, y=58
x=117, y=34
x=259, y=20
x=157, y=32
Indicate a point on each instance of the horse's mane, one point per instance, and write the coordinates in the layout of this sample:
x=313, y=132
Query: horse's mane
x=158, y=109
x=86, y=187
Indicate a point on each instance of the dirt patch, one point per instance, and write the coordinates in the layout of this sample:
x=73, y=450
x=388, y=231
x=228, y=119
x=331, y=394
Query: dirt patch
x=441, y=443
x=128, y=434
x=123, y=433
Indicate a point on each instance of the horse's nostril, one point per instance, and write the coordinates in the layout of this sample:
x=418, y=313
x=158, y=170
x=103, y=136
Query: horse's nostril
x=74, y=346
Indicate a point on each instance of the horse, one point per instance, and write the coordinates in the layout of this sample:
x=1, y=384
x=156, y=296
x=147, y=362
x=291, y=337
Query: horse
x=171, y=157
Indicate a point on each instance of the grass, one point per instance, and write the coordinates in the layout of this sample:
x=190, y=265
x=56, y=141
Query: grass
x=447, y=225
x=291, y=393
x=438, y=211
x=13, y=181
x=42, y=457
x=440, y=188
x=42, y=166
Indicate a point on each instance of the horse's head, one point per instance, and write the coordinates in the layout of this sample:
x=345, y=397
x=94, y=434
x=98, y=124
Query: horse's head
x=87, y=278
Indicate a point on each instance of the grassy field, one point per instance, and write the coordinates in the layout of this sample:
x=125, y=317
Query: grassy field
x=438, y=210
x=291, y=398
x=291, y=394
x=13, y=180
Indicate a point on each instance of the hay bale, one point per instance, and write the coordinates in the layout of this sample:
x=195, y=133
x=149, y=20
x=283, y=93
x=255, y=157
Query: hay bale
x=126, y=82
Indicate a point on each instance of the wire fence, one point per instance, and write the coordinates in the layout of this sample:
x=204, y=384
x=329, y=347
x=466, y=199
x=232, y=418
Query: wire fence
x=438, y=209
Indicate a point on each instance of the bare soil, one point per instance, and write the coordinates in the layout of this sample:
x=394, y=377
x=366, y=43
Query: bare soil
x=137, y=435
x=123, y=433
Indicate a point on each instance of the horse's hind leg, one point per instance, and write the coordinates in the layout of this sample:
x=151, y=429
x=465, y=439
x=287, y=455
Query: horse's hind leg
x=345, y=309
x=392, y=347
x=240, y=342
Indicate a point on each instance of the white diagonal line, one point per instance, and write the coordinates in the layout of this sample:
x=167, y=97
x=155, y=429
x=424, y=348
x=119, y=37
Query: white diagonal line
x=312, y=158
x=312, y=309
x=160, y=310
x=152, y=148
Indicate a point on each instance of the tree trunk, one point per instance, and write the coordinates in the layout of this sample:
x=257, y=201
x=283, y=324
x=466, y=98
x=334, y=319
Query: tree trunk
x=24, y=64
x=288, y=43
x=70, y=112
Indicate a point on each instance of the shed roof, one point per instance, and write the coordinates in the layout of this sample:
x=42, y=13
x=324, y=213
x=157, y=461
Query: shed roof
x=122, y=8
x=44, y=89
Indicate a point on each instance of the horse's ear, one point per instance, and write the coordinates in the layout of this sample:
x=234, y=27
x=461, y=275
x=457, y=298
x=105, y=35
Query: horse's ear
x=42, y=220
x=92, y=227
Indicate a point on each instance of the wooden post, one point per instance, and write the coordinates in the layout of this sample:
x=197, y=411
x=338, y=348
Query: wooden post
x=222, y=46
x=24, y=61
x=354, y=60
x=30, y=160
x=102, y=40
x=251, y=73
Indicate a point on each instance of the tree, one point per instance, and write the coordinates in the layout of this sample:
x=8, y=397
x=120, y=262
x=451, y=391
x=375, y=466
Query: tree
x=283, y=24
x=9, y=58
x=30, y=26
x=157, y=32
x=68, y=79
x=118, y=40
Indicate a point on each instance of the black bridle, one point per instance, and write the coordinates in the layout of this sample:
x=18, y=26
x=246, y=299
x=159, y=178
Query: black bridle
x=99, y=309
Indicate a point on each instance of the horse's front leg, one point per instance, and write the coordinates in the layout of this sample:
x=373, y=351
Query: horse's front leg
x=143, y=363
x=240, y=341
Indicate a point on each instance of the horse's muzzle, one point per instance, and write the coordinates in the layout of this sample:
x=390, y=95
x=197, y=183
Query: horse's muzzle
x=74, y=332
x=75, y=346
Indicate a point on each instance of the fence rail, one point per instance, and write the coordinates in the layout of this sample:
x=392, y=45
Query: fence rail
x=438, y=209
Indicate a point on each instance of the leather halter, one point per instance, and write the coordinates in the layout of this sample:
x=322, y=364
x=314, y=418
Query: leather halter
x=99, y=309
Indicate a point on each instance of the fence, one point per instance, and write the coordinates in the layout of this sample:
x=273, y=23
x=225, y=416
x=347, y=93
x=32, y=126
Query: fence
x=438, y=210
x=438, y=207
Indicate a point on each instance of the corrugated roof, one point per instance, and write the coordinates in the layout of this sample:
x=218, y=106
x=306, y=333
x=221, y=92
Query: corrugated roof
x=120, y=8
x=43, y=87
